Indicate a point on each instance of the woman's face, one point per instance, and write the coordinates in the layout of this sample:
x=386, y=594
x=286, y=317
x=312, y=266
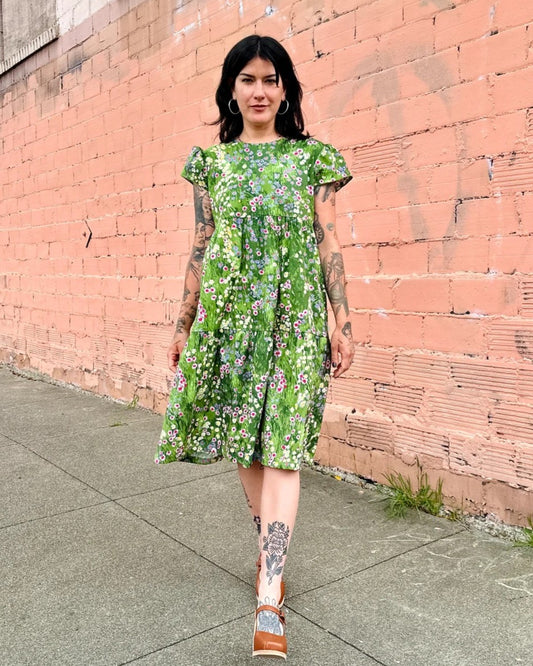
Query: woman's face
x=257, y=94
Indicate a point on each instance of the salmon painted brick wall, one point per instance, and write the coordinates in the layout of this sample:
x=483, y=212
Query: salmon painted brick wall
x=431, y=103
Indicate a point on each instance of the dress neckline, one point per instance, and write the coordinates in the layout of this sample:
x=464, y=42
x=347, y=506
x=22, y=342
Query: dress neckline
x=260, y=143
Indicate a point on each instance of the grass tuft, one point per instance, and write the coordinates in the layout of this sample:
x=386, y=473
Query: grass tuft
x=401, y=496
x=527, y=533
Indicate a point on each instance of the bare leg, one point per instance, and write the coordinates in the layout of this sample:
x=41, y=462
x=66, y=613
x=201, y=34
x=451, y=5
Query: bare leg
x=252, y=484
x=279, y=505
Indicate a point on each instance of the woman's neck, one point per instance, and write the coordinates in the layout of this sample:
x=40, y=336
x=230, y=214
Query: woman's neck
x=256, y=135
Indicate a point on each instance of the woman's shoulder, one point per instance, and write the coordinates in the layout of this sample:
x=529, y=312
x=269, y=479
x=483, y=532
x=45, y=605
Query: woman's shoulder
x=313, y=146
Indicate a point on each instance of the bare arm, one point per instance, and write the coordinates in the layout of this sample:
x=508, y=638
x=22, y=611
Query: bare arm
x=203, y=230
x=342, y=349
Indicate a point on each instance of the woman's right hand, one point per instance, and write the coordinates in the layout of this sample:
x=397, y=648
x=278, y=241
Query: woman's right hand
x=175, y=349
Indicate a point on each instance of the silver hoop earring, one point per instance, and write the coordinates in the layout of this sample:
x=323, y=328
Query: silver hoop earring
x=282, y=113
x=233, y=113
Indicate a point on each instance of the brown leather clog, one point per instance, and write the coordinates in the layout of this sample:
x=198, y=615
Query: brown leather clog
x=266, y=644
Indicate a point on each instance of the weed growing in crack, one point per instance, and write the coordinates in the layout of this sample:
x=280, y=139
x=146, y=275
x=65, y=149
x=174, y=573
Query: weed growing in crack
x=401, y=495
x=527, y=534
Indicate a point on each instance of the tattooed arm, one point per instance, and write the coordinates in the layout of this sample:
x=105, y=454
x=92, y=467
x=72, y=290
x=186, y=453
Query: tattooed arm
x=204, y=227
x=342, y=349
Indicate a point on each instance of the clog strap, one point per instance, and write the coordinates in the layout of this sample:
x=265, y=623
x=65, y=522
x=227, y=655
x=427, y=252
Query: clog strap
x=272, y=609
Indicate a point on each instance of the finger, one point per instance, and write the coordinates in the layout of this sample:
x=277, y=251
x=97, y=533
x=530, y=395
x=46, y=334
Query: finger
x=173, y=359
x=346, y=355
x=334, y=355
x=345, y=364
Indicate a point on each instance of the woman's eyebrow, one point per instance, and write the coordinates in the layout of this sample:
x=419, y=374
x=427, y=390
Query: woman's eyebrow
x=251, y=76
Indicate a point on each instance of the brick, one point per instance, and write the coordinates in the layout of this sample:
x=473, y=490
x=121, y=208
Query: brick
x=377, y=226
x=408, y=258
x=374, y=364
x=334, y=34
x=413, y=10
x=374, y=432
x=357, y=129
x=353, y=393
x=403, y=117
x=304, y=14
x=524, y=207
x=378, y=18
x=485, y=296
x=330, y=102
x=432, y=221
x=512, y=504
x=510, y=254
x=511, y=14
x=398, y=400
x=409, y=42
x=466, y=453
x=436, y=147
x=422, y=370
x=486, y=217
x=494, y=54
x=396, y=330
x=460, y=334
x=356, y=61
x=495, y=380
x=300, y=47
x=360, y=327
x=431, y=449
x=317, y=73
x=360, y=260
x=422, y=295
x=466, y=21
x=460, y=410
x=512, y=91
x=451, y=255
x=453, y=105
x=499, y=461
x=370, y=294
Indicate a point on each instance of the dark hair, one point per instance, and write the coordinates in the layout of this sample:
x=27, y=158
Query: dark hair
x=291, y=124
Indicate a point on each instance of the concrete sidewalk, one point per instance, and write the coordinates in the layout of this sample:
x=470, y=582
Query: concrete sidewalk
x=106, y=558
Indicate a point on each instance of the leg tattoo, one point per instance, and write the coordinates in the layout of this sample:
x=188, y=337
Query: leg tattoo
x=267, y=620
x=247, y=498
x=275, y=544
x=257, y=521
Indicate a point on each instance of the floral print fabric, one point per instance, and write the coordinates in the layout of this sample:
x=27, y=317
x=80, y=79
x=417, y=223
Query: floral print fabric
x=252, y=379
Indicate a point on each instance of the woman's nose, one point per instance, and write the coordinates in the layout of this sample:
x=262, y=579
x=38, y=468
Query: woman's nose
x=258, y=90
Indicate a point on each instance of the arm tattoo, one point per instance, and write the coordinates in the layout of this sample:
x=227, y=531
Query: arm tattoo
x=319, y=230
x=333, y=267
x=326, y=192
x=347, y=330
x=203, y=230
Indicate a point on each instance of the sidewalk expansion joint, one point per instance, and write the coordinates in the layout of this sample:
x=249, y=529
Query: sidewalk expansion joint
x=172, y=485
x=185, y=638
x=54, y=515
x=377, y=564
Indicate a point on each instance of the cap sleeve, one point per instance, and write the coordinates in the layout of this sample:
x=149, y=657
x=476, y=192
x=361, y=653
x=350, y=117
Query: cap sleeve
x=195, y=169
x=330, y=167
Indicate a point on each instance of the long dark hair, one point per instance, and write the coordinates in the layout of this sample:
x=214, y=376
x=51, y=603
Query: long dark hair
x=291, y=124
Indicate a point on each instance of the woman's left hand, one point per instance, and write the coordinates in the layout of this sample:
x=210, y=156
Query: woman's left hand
x=342, y=349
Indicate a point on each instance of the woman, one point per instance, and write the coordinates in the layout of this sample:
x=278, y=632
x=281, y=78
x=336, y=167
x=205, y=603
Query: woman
x=251, y=350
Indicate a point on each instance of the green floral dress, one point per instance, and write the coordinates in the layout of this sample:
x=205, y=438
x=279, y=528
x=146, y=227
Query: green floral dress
x=252, y=379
